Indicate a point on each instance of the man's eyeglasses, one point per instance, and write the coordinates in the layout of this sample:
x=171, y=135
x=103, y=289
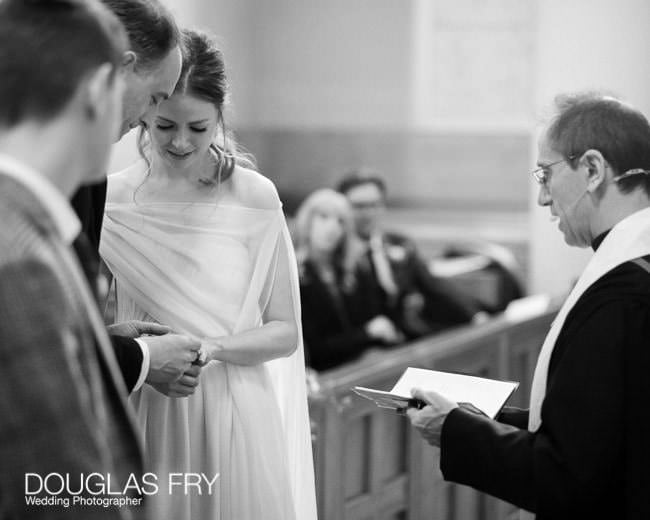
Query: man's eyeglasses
x=542, y=173
x=629, y=173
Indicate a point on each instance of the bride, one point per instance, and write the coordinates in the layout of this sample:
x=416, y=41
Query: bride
x=197, y=240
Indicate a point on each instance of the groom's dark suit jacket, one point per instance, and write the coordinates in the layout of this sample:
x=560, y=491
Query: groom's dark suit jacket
x=62, y=404
x=89, y=203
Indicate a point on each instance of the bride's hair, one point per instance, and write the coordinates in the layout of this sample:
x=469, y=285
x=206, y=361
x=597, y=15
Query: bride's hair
x=203, y=75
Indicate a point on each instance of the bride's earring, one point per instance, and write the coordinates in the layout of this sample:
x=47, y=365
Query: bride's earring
x=219, y=170
x=209, y=180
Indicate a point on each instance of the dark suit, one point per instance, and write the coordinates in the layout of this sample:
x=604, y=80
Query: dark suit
x=591, y=456
x=62, y=402
x=89, y=203
x=443, y=305
x=334, y=323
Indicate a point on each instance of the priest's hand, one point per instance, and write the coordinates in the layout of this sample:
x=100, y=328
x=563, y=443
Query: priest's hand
x=430, y=419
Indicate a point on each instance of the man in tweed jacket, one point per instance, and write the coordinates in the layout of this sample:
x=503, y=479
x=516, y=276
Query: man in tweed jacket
x=63, y=407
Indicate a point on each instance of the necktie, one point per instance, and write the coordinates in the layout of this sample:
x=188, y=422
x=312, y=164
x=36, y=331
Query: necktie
x=382, y=266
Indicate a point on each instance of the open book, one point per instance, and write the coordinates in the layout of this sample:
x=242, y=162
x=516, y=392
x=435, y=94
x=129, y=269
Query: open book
x=488, y=395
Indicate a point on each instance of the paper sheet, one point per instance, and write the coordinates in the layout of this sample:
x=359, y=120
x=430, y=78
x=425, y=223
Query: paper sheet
x=488, y=395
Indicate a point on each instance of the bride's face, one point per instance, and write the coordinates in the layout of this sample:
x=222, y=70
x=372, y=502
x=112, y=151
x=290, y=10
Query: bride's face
x=182, y=130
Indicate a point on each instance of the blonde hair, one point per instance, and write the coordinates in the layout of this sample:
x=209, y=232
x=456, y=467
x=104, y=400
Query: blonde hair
x=348, y=252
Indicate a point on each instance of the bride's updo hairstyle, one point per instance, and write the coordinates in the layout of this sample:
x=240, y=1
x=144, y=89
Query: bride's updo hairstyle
x=203, y=76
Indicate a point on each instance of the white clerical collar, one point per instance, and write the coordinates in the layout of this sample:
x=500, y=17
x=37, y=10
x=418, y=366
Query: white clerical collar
x=64, y=218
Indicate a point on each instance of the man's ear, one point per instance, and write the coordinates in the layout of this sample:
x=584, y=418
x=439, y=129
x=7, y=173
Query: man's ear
x=596, y=166
x=129, y=59
x=98, y=90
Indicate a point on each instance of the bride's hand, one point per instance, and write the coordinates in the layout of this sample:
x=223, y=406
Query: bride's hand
x=202, y=356
x=210, y=349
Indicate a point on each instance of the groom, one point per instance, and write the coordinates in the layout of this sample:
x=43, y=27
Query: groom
x=152, y=64
x=582, y=449
x=63, y=404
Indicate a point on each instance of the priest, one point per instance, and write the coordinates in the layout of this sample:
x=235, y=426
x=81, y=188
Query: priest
x=582, y=449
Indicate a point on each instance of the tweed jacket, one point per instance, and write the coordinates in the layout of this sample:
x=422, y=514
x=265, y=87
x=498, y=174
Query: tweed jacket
x=63, y=403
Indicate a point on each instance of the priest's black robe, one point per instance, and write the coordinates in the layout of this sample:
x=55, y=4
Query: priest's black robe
x=590, y=457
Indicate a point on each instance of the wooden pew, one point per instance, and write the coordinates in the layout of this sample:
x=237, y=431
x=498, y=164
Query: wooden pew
x=370, y=463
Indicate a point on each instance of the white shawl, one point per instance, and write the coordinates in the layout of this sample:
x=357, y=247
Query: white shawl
x=184, y=264
x=628, y=240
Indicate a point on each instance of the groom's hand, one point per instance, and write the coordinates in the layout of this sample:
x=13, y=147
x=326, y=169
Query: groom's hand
x=184, y=386
x=135, y=329
x=170, y=356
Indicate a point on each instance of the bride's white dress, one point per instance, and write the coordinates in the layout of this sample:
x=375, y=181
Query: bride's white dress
x=208, y=270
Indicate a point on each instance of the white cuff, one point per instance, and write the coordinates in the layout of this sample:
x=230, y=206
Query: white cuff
x=144, y=371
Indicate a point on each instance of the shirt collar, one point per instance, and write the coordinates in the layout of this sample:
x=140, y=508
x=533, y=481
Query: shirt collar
x=64, y=218
x=595, y=244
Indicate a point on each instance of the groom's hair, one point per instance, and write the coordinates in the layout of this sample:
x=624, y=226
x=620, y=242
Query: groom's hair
x=47, y=48
x=150, y=27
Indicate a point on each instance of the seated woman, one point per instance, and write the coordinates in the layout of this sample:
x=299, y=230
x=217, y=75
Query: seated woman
x=342, y=312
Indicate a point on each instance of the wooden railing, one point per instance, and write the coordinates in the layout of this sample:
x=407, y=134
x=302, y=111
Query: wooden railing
x=371, y=465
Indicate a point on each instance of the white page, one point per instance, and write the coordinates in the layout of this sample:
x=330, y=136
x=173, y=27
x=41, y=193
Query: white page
x=488, y=395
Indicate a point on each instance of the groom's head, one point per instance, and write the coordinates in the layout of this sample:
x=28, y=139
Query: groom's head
x=60, y=64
